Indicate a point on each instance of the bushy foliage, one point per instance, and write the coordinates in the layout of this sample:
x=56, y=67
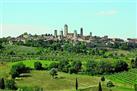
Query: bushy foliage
x=76, y=65
x=104, y=67
x=1, y=47
x=134, y=63
x=110, y=84
x=91, y=67
x=38, y=66
x=17, y=69
x=63, y=66
x=121, y=66
x=53, y=65
x=10, y=84
x=102, y=78
x=53, y=72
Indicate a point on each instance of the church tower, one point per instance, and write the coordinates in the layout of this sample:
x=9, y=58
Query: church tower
x=81, y=31
x=90, y=35
x=61, y=34
x=75, y=34
x=65, y=30
x=55, y=33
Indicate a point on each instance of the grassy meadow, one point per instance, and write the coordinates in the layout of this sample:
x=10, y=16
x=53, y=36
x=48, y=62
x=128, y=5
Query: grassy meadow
x=123, y=81
x=65, y=81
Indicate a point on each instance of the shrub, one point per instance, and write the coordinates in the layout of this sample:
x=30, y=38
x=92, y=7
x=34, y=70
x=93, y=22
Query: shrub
x=104, y=67
x=134, y=63
x=53, y=65
x=53, y=72
x=72, y=70
x=63, y=66
x=110, y=84
x=76, y=65
x=10, y=84
x=121, y=66
x=91, y=67
x=102, y=78
x=38, y=66
x=17, y=69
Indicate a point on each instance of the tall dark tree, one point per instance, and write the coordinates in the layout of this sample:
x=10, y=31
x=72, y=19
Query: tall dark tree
x=135, y=86
x=76, y=84
x=99, y=87
x=2, y=84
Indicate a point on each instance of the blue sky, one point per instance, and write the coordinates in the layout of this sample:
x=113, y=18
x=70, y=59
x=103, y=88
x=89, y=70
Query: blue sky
x=115, y=18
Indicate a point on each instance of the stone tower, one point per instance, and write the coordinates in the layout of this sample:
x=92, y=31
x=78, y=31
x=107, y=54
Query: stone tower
x=81, y=31
x=65, y=30
x=55, y=33
x=75, y=34
x=61, y=34
x=90, y=35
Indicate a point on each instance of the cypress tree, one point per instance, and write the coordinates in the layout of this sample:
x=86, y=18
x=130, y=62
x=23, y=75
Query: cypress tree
x=76, y=84
x=135, y=86
x=99, y=87
x=2, y=84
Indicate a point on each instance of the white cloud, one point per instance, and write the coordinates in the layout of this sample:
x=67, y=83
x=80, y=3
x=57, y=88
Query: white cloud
x=107, y=13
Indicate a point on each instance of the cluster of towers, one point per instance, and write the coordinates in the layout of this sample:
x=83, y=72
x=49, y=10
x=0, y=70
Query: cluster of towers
x=66, y=34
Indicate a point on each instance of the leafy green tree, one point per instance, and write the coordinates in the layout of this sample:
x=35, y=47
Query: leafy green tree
x=134, y=63
x=38, y=66
x=102, y=78
x=120, y=66
x=53, y=65
x=110, y=84
x=76, y=65
x=2, y=84
x=1, y=47
x=99, y=87
x=63, y=66
x=10, y=84
x=91, y=67
x=104, y=67
x=53, y=72
x=76, y=84
x=17, y=69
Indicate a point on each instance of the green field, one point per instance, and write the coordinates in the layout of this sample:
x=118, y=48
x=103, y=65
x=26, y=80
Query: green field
x=30, y=63
x=65, y=81
x=123, y=81
x=127, y=78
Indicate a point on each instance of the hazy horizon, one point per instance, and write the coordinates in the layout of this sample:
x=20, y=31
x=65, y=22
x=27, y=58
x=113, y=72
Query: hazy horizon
x=115, y=18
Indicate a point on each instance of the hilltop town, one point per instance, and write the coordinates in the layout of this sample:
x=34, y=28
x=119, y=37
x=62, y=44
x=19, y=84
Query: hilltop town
x=73, y=37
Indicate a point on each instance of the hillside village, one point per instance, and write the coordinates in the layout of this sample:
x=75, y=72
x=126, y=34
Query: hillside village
x=73, y=37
